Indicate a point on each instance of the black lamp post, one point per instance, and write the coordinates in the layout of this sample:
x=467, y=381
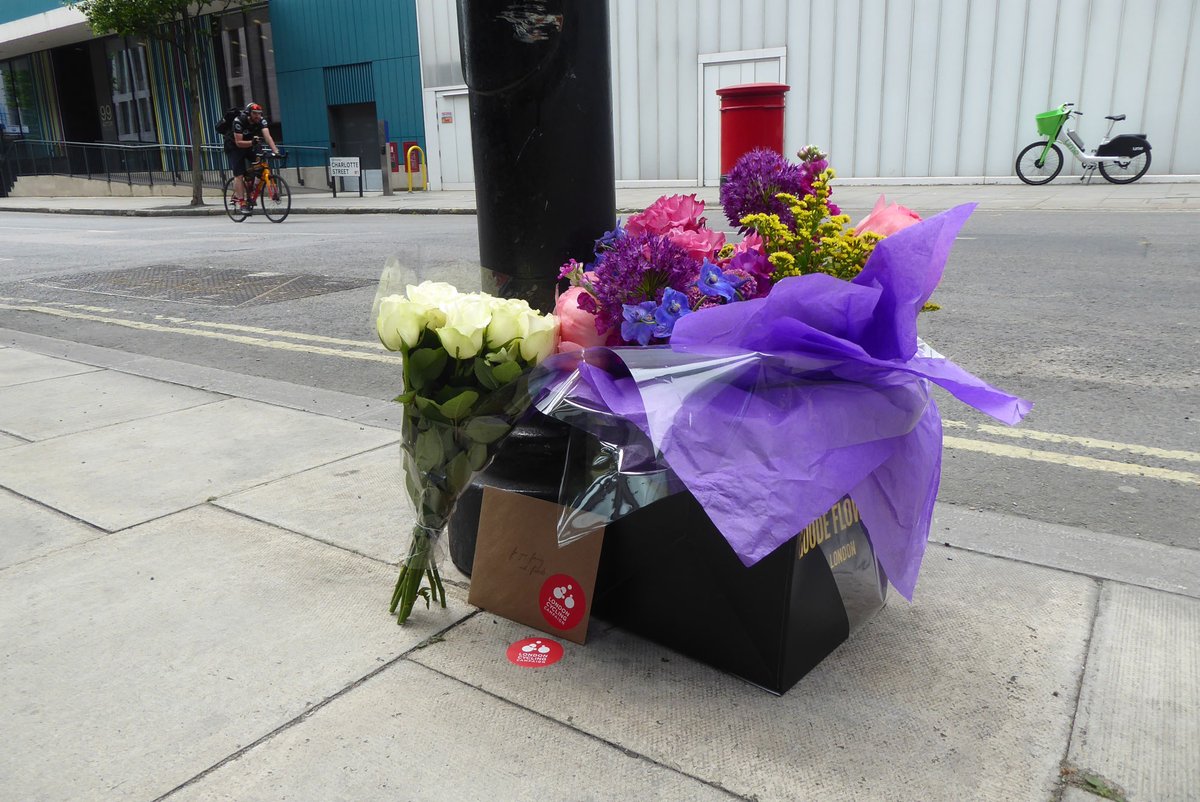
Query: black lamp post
x=541, y=131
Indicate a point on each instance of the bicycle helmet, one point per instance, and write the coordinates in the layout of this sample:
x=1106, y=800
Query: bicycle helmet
x=253, y=107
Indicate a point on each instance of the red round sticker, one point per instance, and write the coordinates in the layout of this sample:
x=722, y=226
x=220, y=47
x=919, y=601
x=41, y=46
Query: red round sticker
x=535, y=653
x=561, y=602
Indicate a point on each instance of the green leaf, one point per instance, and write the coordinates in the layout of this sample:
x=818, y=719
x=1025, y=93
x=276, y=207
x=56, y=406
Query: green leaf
x=429, y=410
x=506, y=372
x=428, y=451
x=460, y=405
x=485, y=374
x=485, y=429
x=425, y=365
x=458, y=473
x=477, y=455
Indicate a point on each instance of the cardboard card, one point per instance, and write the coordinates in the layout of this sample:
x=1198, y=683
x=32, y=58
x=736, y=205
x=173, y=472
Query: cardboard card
x=521, y=574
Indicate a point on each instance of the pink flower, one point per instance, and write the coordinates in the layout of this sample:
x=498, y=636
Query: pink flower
x=752, y=242
x=667, y=213
x=577, y=327
x=700, y=243
x=886, y=219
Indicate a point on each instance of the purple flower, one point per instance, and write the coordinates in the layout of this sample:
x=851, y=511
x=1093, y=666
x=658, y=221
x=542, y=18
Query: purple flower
x=638, y=322
x=674, y=306
x=754, y=182
x=638, y=268
x=714, y=283
x=755, y=265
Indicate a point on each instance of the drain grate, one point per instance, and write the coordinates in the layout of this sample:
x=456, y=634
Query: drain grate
x=206, y=286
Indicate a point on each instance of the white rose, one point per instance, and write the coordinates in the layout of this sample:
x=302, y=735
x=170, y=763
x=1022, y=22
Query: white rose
x=437, y=294
x=401, y=322
x=507, y=322
x=540, y=337
x=466, y=321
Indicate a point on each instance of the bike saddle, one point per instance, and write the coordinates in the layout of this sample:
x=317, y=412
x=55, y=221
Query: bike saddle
x=1115, y=117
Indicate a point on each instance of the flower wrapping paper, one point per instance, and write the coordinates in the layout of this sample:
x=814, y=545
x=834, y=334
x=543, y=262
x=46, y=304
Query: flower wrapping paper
x=770, y=410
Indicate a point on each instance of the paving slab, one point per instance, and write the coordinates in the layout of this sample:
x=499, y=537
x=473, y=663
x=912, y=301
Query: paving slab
x=357, y=503
x=64, y=405
x=411, y=733
x=1071, y=548
x=129, y=473
x=968, y=693
x=1139, y=710
x=133, y=663
x=7, y=440
x=30, y=530
x=19, y=367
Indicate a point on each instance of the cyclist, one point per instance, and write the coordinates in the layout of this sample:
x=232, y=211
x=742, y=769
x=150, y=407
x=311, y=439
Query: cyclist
x=248, y=127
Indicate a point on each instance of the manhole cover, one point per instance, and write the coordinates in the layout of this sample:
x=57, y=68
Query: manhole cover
x=203, y=285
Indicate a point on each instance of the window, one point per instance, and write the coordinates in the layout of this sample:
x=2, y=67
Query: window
x=237, y=58
x=131, y=92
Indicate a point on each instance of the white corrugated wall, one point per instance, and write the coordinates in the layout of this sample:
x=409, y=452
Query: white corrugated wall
x=893, y=88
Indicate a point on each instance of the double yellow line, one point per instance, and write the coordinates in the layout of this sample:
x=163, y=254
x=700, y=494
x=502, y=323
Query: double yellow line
x=299, y=342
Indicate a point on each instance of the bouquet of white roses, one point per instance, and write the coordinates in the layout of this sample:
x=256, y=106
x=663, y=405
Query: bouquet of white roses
x=466, y=359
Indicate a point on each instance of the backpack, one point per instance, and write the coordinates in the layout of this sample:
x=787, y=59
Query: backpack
x=224, y=126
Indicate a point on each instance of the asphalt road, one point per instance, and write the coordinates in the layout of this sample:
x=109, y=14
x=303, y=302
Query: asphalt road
x=1092, y=315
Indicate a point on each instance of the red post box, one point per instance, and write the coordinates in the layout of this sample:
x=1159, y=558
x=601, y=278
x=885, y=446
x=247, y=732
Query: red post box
x=751, y=117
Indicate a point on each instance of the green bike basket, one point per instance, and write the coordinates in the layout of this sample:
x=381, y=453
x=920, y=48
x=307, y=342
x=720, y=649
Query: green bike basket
x=1049, y=122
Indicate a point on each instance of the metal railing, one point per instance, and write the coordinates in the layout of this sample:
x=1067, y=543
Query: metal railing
x=136, y=165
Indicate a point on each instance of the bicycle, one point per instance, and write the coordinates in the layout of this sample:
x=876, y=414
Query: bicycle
x=1122, y=159
x=263, y=186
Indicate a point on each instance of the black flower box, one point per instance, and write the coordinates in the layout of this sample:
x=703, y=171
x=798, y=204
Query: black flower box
x=667, y=574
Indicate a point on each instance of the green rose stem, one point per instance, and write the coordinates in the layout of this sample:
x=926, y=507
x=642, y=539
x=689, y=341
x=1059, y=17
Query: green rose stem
x=418, y=564
x=412, y=571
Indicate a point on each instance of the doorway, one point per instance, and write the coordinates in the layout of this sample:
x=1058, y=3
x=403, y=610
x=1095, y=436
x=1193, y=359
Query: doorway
x=354, y=131
x=455, y=156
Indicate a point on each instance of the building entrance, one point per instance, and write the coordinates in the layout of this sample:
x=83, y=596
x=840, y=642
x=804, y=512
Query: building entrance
x=354, y=131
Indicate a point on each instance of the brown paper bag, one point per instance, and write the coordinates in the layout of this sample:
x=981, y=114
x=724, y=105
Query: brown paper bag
x=520, y=573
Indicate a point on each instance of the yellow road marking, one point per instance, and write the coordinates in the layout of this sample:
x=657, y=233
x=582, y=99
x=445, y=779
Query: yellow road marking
x=295, y=335
x=1087, y=463
x=384, y=357
x=1085, y=442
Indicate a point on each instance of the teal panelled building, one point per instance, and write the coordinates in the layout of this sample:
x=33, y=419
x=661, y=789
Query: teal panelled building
x=343, y=67
x=329, y=72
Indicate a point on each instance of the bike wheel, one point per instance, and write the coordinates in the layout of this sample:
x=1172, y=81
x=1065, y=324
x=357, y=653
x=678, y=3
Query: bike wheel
x=1031, y=172
x=276, y=199
x=1126, y=172
x=236, y=213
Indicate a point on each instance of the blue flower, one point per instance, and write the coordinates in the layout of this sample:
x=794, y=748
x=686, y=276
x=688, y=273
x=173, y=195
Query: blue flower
x=610, y=238
x=714, y=283
x=674, y=306
x=638, y=322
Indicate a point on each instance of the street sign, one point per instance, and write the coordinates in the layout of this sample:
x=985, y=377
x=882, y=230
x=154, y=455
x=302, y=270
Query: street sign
x=343, y=166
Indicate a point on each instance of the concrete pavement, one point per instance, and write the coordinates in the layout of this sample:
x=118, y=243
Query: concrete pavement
x=194, y=573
